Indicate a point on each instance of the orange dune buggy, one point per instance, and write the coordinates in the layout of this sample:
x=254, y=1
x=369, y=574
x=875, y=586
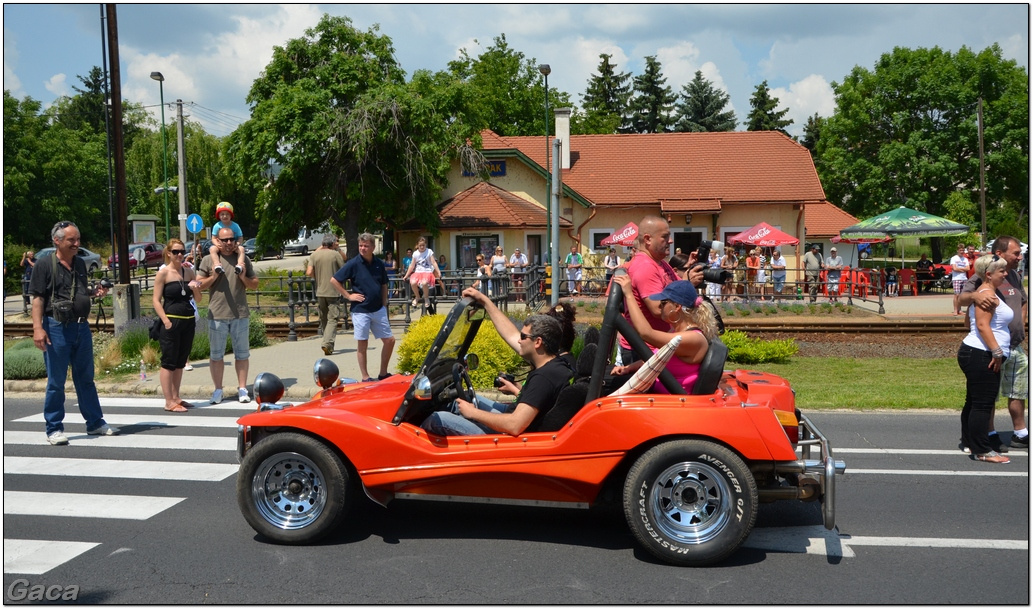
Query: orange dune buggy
x=690, y=469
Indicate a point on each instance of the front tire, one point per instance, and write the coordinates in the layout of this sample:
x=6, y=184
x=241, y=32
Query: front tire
x=690, y=502
x=293, y=489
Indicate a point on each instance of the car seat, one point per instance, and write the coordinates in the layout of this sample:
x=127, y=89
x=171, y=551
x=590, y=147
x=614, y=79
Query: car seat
x=572, y=398
x=711, y=369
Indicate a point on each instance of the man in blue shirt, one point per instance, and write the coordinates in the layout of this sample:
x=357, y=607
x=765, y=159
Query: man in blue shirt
x=368, y=295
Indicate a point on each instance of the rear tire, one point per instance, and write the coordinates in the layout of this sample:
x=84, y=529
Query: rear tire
x=690, y=502
x=292, y=489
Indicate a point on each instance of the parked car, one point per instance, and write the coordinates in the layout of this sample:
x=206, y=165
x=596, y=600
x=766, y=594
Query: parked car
x=153, y=255
x=690, y=470
x=307, y=240
x=250, y=246
x=92, y=259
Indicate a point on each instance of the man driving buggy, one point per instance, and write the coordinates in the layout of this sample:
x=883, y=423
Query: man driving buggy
x=537, y=342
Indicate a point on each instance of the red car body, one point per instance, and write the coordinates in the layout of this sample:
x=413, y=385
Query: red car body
x=692, y=467
x=153, y=255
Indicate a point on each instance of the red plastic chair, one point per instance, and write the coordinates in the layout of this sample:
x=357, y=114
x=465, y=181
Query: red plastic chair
x=906, y=280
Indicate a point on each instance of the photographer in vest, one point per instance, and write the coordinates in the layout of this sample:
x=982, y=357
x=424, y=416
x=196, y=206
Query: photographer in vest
x=61, y=295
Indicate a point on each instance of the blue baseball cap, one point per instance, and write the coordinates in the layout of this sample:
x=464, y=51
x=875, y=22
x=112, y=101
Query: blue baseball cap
x=681, y=292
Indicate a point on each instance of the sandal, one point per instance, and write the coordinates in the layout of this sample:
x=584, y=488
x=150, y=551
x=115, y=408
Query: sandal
x=185, y=404
x=993, y=457
x=176, y=408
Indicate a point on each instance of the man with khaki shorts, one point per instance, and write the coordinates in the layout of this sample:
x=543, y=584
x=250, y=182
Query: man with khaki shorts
x=1015, y=369
x=323, y=263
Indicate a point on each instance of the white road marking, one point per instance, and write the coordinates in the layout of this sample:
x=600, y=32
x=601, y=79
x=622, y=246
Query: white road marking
x=103, y=468
x=148, y=441
x=201, y=404
x=938, y=472
x=36, y=557
x=909, y=451
x=817, y=540
x=171, y=420
x=82, y=505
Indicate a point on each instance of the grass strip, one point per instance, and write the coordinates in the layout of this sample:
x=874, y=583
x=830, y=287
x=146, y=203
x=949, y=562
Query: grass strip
x=895, y=383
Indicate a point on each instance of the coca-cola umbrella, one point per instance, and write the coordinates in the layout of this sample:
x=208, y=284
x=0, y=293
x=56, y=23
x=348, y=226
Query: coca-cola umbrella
x=763, y=235
x=625, y=236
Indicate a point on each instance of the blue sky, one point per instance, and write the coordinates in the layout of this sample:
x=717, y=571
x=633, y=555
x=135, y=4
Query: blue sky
x=211, y=53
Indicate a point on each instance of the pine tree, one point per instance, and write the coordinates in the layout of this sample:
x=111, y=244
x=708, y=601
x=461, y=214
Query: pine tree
x=606, y=99
x=763, y=116
x=812, y=132
x=653, y=103
x=702, y=107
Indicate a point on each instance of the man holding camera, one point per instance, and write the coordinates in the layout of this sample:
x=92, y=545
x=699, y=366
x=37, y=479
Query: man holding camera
x=61, y=296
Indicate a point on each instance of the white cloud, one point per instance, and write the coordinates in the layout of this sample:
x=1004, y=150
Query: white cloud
x=804, y=98
x=11, y=81
x=57, y=85
x=679, y=63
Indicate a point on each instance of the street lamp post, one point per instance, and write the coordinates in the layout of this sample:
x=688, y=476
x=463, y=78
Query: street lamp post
x=164, y=146
x=546, y=70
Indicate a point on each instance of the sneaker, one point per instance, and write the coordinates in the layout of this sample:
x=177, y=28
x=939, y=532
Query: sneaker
x=1017, y=442
x=328, y=350
x=963, y=448
x=242, y=395
x=188, y=368
x=103, y=430
x=216, y=396
x=238, y=269
x=384, y=376
x=219, y=270
x=57, y=438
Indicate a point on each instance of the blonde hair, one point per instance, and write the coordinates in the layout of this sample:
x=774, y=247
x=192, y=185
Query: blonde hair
x=989, y=264
x=701, y=317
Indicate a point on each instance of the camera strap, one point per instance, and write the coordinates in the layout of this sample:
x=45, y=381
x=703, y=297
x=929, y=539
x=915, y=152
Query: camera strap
x=53, y=280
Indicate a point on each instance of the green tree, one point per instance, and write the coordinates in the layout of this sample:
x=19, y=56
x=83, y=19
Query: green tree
x=812, y=133
x=763, y=116
x=906, y=133
x=702, y=107
x=606, y=100
x=504, y=91
x=653, y=102
x=358, y=147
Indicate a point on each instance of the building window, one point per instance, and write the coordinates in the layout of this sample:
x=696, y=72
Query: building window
x=469, y=246
x=595, y=237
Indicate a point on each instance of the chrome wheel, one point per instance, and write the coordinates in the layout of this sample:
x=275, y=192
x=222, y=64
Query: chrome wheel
x=690, y=502
x=288, y=491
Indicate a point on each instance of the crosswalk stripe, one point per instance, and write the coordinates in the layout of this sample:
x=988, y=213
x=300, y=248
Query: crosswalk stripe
x=199, y=403
x=36, y=556
x=177, y=420
x=75, y=505
x=104, y=468
x=150, y=441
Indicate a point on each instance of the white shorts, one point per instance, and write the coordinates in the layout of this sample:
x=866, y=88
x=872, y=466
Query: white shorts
x=378, y=322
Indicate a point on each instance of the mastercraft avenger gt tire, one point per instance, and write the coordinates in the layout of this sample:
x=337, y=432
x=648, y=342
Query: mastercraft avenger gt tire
x=690, y=502
x=293, y=489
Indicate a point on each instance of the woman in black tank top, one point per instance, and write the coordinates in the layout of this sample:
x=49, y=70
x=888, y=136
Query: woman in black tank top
x=174, y=285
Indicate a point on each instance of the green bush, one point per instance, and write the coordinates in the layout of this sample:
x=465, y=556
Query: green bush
x=134, y=336
x=256, y=336
x=745, y=350
x=22, y=344
x=21, y=362
x=495, y=355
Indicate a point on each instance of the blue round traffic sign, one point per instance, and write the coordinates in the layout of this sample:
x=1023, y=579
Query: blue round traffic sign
x=194, y=223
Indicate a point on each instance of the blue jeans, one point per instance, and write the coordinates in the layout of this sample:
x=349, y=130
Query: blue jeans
x=451, y=423
x=70, y=344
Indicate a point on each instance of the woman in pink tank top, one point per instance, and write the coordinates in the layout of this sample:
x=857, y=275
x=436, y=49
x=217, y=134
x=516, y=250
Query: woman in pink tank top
x=682, y=307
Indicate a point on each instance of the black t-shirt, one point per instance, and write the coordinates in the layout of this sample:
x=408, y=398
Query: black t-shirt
x=542, y=387
x=40, y=284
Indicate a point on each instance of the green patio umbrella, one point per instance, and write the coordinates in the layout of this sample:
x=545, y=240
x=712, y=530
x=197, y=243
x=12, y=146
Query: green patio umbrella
x=903, y=222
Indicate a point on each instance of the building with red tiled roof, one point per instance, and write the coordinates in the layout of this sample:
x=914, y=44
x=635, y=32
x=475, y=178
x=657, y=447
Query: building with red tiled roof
x=707, y=185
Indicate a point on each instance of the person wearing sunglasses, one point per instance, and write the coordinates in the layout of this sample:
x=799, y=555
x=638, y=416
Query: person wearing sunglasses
x=174, y=288
x=227, y=312
x=538, y=342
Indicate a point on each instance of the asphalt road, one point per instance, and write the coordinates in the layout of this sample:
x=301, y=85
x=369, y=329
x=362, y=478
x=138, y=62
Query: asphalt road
x=151, y=517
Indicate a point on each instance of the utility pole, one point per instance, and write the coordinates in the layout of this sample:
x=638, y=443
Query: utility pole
x=181, y=157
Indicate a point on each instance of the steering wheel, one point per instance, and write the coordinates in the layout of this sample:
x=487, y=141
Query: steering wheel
x=462, y=383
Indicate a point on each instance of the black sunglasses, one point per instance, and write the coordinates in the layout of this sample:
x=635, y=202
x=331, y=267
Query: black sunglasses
x=527, y=336
x=178, y=252
x=226, y=240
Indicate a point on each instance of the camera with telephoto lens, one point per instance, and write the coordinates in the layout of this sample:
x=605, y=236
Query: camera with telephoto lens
x=498, y=379
x=703, y=254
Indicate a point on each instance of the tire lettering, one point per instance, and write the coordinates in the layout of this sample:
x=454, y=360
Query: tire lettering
x=724, y=468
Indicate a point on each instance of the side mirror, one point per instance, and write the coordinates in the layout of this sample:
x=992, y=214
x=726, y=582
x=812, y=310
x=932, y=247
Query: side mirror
x=422, y=387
